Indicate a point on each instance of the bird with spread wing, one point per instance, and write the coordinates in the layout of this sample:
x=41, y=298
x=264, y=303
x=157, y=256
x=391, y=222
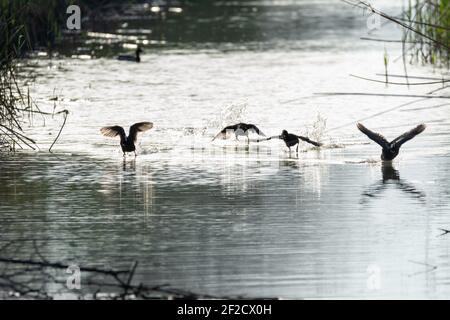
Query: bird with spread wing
x=391, y=149
x=291, y=140
x=240, y=129
x=127, y=143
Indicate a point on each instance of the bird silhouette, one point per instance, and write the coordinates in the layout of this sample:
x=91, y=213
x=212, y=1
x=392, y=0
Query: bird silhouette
x=127, y=143
x=391, y=149
x=293, y=139
x=133, y=58
x=240, y=129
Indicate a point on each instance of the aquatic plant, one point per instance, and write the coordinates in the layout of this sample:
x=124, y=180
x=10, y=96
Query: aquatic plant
x=430, y=18
x=426, y=26
x=24, y=25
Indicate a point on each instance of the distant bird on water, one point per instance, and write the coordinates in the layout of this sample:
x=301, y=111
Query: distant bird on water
x=240, y=129
x=293, y=139
x=391, y=149
x=135, y=58
x=127, y=142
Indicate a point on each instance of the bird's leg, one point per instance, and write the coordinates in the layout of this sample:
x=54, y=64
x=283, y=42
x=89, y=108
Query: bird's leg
x=248, y=140
x=297, y=147
x=135, y=154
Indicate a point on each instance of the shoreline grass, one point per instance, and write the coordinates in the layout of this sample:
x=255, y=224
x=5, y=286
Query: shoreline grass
x=25, y=25
x=431, y=18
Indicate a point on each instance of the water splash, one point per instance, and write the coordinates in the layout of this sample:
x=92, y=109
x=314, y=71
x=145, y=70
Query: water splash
x=317, y=131
x=230, y=114
x=200, y=136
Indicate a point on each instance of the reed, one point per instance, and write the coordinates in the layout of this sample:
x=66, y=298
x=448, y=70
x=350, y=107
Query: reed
x=430, y=18
x=24, y=25
x=426, y=26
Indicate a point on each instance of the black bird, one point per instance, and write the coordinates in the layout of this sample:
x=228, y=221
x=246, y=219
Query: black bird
x=127, y=143
x=240, y=129
x=135, y=58
x=292, y=140
x=391, y=149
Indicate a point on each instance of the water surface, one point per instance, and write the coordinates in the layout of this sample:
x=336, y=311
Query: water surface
x=224, y=218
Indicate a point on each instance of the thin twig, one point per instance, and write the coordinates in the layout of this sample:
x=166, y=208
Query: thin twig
x=386, y=40
x=364, y=5
x=400, y=83
x=130, y=278
x=58, y=265
x=413, y=77
x=375, y=115
x=380, y=95
x=60, y=130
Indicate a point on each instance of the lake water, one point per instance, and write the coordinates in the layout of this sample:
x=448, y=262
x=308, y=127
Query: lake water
x=224, y=218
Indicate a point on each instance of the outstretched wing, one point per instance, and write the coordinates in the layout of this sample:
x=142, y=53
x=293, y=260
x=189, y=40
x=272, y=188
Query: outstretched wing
x=306, y=139
x=114, y=131
x=408, y=135
x=139, y=127
x=254, y=128
x=269, y=138
x=223, y=134
x=378, y=138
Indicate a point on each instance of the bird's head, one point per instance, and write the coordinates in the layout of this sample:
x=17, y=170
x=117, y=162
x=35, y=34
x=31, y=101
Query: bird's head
x=284, y=133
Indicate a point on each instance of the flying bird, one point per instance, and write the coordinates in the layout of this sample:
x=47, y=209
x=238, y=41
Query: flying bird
x=391, y=149
x=134, y=58
x=240, y=129
x=127, y=143
x=293, y=139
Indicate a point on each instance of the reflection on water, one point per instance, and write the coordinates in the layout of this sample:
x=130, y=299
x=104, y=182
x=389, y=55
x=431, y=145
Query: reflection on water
x=391, y=177
x=290, y=228
x=235, y=219
x=224, y=25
